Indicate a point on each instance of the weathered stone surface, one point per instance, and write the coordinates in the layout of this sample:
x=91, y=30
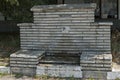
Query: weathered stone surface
x=64, y=29
x=63, y=7
x=113, y=75
x=60, y=71
x=24, y=70
x=27, y=54
x=4, y=69
x=98, y=75
x=96, y=61
x=25, y=61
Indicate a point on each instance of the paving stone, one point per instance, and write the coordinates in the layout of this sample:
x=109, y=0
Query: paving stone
x=95, y=74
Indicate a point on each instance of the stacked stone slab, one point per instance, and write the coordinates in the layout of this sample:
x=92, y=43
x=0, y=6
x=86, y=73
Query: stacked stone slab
x=101, y=58
x=25, y=61
x=59, y=28
x=92, y=61
x=68, y=29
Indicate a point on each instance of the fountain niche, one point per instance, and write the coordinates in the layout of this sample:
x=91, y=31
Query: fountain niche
x=63, y=40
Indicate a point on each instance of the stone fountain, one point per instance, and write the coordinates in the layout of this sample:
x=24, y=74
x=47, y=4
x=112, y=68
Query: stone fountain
x=63, y=41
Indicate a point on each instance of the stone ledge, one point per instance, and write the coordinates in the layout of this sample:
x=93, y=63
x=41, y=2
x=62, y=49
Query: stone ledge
x=107, y=24
x=27, y=54
x=43, y=8
x=4, y=69
x=25, y=24
x=113, y=75
x=88, y=23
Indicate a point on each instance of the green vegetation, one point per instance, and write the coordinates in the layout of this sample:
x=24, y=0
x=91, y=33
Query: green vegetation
x=19, y=10
x=3, y=74
x=116, y=45
x=9, y=43
x=117, y=79
x=91, y=78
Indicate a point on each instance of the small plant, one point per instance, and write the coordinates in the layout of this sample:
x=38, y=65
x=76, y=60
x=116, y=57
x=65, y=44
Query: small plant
x=117, y=79
x=18, y=75
x=3, y=74
x=72, y=78
x=91, y=78
x=42, y=77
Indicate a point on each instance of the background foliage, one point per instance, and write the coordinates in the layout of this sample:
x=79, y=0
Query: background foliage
x=19, y=10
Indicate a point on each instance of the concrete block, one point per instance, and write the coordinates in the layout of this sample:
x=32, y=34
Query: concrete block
x=60, y=71
x=23, y=70
x=113, y=75
x=4, y=69
x=95, y=74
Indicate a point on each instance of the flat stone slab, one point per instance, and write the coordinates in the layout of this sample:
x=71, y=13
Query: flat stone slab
x=4, y=69
x=95, y=74
x=113, y=75
x=59, y=70
x=62, y=6
x=27, y=54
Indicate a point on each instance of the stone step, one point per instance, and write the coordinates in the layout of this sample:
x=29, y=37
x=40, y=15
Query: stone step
x=95, y=75
x=59, y=70
x=29, y=71
x=27, y=54
x=25, y=61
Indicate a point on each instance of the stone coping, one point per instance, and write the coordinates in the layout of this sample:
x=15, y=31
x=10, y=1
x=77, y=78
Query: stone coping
x=27, y=54
x=45, y=8
x=106, y=24
x=102, y=23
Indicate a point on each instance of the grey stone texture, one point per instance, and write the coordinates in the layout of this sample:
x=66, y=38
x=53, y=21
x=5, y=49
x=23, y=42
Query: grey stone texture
x=97, y=75
x=113, y=75
x=60, y=70
x=25, y=61
x=65, y=28
x=4, y=69
x=96, y=61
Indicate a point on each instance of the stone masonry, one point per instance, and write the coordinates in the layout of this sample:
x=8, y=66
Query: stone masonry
x=68, y=29
x=25, y=61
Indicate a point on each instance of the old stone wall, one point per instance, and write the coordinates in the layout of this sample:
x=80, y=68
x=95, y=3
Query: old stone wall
x=71, y=38
x=65, y=29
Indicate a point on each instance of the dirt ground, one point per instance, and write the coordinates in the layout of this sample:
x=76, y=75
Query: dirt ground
x=9, y=77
